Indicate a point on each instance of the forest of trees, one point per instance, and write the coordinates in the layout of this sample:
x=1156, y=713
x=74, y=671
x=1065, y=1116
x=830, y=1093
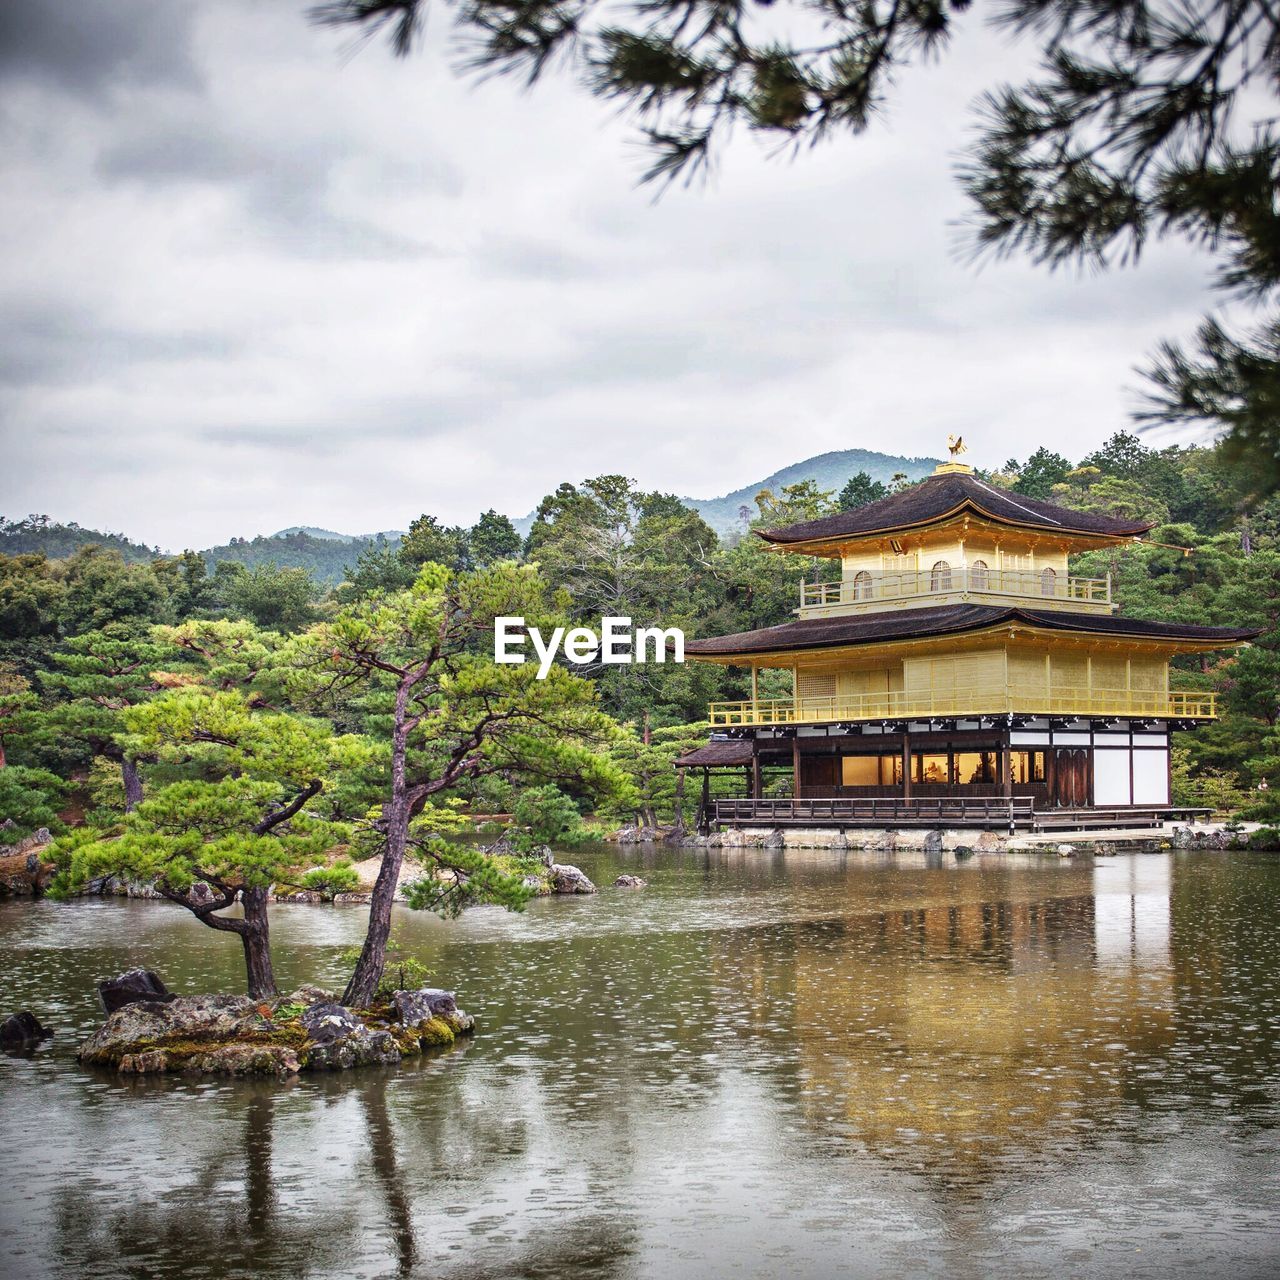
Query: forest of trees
x=232, y=724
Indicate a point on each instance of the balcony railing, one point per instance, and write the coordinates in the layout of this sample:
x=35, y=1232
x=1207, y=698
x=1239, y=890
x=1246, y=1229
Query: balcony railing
x=968, y=702
x=871, y=588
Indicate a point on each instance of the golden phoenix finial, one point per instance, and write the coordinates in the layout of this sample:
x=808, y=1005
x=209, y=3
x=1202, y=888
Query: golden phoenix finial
x=957, y=446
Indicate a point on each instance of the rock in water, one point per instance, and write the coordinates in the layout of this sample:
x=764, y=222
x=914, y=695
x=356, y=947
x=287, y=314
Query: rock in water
x=413, y=1007
x=339, y=1039
x=629, y=882
x=22, y=1030
x=187, y=1018
x=309, y=994
x=569, y=879
x=433, y=1013
x=327, y=1020
x=131, y=987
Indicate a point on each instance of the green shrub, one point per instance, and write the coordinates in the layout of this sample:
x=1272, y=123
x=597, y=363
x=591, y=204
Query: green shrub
x=545, y=815
x=339, y=877
x=403, y=972
x=29, y=799
x=1205, y=787
x=1265, y=838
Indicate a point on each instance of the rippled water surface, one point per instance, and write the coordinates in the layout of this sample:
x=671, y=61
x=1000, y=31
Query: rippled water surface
x=799, y=1065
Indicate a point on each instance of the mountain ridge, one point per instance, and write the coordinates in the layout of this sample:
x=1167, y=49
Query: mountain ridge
x=325, y=553
x=829, y=471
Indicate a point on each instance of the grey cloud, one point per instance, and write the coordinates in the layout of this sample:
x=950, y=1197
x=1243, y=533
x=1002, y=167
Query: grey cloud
x=393, y=422
x=247, y=283
x=49, y=344
x=180, y=151
x=85, y=47
x=286, y=191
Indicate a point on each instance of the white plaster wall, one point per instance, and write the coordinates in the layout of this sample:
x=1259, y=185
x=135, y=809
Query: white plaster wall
x=1150, y=777
x=1111, y=777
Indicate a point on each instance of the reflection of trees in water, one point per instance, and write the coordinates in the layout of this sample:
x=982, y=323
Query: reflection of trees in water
x=386, y=1169
x=178, y=1215
x=256, y=1195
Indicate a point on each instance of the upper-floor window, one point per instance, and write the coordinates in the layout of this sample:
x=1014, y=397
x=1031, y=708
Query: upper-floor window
x=940, y=577
x=862, y=585
x=1048, y=582
x=979, y=576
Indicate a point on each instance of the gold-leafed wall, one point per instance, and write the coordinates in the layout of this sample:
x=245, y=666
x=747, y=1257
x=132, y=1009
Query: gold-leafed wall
x=1020, y=672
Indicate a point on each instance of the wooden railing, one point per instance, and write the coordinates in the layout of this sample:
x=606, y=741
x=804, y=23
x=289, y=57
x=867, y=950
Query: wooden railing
x=949, y=811
x=873, y=588
x=990, y=813
x=967, y=702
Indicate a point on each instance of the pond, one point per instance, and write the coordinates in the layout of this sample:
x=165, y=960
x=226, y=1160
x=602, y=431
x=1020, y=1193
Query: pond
x=799, y=1065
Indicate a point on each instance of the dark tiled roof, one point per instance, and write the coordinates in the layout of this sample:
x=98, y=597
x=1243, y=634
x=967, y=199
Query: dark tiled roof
x=735, y=751
x=944, y=495
x=914, y=624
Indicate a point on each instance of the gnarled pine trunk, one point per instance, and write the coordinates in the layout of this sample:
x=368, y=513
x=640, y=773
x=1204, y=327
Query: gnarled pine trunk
x=373, y=955
x=255, y=937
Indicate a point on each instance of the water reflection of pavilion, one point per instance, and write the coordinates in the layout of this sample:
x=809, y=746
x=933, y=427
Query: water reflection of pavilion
x=1132, y=908
x=997, y=1020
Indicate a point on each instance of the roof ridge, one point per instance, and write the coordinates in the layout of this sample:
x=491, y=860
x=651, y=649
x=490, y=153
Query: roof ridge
x=1005, y=495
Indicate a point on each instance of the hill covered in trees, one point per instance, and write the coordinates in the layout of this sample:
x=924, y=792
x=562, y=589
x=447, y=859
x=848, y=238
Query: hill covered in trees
x=39, y=535
x=602, y=546
x=827, y=471
x=326, y=555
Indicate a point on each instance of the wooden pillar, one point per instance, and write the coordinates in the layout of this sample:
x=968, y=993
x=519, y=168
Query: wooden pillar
x=704, y=809
x=906, y=766
x=755, y=769
x=795, y=766
x=755, y=684
x=1006, y=774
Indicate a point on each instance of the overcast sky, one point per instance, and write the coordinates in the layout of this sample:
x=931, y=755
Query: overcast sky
x=248, y=280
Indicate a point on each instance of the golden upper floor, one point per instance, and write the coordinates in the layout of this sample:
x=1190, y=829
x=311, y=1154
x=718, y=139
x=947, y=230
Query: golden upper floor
x=964, y=660
x=981, y=675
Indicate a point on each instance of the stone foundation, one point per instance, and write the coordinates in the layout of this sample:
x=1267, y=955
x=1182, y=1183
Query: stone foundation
x=941, y=840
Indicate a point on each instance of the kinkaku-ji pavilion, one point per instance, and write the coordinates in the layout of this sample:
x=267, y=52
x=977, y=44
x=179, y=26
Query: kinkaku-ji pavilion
x=957, y=674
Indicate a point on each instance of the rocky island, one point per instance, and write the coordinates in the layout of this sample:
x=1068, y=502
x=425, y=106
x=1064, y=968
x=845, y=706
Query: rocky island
x=154, y=1032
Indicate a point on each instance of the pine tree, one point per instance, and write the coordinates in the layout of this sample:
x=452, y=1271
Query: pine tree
x=239, y=823
x=449, y=714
